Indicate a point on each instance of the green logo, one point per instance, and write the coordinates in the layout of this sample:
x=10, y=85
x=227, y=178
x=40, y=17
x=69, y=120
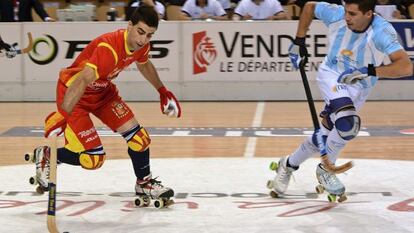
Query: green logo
x=42, y=55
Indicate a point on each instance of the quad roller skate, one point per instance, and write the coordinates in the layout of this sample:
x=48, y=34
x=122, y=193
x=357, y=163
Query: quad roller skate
x=149, y=189
x=280, y=183
x=330, y=183
x=40, y=157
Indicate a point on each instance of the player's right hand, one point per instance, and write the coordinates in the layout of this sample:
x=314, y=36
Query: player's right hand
x=298, y=52
x=169, y=104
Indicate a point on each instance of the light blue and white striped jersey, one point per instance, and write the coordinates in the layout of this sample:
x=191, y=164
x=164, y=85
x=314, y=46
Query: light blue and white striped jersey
x=348, y=49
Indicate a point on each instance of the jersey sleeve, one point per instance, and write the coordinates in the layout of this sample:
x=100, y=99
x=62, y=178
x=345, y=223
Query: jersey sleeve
x=187, y=8
x=218, y=9
x=277, y=7
x=103, y=60
x=241, y=9
x=386, y=40
x=329, y=13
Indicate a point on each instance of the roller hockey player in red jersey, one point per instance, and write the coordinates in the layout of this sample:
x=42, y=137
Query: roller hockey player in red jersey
x=86, y=88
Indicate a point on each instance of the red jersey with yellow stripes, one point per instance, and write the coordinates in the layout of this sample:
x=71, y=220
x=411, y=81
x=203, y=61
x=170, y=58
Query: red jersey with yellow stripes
x=108, y=55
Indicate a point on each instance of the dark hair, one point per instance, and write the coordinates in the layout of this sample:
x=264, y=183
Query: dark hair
x=363, y=5
x=146, y=14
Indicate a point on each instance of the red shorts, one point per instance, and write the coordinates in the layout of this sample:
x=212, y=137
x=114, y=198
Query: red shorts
x=105, y=104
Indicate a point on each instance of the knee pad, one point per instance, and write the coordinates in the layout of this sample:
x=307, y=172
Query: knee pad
x=347, y=124
x=140, y=141
x=92, y=161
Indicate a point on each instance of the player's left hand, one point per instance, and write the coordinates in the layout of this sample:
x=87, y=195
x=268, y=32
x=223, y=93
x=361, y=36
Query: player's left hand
x=353, y=75
x=298, y=53
x=169, y=104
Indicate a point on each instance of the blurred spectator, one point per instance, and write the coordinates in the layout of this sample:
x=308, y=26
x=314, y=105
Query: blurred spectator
x=21, y=10
x=409, y=6
x=204, y=9
x=174, y=2
x=228, y=7
x=388, y=10
x=287, y=2
x=301, y=3
x=259, y=10
x=159, y=7
x=226, y=4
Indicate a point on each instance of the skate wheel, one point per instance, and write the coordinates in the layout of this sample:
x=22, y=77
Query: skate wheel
x=32, y=180
x=273, y=165
x=331, y=198
x=138, y=202
x=269, y=184
x=28, y=157
x=39, y=190
x=319, y=189
x=159, y=203
x=274, y=194
x=342, y=198
x=142, y=201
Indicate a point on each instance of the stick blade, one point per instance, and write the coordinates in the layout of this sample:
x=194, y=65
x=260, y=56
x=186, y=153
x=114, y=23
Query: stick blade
x=30, y=45
x=336, y=169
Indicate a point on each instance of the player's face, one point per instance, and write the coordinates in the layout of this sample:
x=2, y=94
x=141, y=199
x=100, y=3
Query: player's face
x=355, y=19
x=139, y=35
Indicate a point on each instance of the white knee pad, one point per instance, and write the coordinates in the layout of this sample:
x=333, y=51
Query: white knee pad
x=347, y=123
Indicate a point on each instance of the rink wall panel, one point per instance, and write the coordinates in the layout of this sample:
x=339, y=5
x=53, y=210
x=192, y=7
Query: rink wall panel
x=199, y=61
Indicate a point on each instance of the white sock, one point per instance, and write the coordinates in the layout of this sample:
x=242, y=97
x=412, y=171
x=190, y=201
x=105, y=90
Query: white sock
x=334, y=145
x=306, y=150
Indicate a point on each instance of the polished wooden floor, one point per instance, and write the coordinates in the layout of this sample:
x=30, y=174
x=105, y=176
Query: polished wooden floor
x=222, y=114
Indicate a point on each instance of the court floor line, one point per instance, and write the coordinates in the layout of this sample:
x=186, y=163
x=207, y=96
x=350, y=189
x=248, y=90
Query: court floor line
x=257, y=122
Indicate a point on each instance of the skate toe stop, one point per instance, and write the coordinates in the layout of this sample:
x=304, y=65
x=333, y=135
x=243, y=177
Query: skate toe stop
x=167, y=194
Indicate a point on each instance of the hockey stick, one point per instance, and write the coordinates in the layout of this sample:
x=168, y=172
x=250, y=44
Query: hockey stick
x=28, y=48
x=321, y=145
x=51, y=205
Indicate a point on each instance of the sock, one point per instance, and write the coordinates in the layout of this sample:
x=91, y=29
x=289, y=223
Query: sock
x=334, y=145
x=140, y=162
x=304, y=151
x=290, y=165
x=66, y=156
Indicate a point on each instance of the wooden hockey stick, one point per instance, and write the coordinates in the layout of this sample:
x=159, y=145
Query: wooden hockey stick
x=51, y=205
x=330, y=167
x=29, y=47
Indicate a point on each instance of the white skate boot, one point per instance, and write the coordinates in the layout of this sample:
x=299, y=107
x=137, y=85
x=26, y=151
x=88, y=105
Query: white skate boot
x=330, y=183
x=40, y=157
x=280, y=183
x=149, y=188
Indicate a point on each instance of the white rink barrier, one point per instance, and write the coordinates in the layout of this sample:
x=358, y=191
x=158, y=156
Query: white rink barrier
x=200, y=61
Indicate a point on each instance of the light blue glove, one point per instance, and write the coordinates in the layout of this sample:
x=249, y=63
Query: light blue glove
x=298, y=52
x=353, y=75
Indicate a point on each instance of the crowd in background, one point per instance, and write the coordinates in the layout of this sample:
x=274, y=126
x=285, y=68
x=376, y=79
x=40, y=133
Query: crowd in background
x=21, y=10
